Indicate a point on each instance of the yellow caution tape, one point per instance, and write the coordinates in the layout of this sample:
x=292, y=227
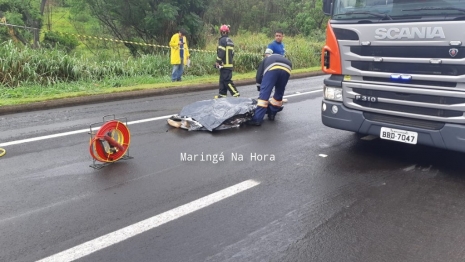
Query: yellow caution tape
x=143, y=44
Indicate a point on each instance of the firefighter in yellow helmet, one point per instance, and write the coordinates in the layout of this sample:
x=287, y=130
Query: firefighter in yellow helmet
x=224, y=61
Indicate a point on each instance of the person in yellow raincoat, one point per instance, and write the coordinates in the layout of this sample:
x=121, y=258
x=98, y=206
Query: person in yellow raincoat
x=179, y=54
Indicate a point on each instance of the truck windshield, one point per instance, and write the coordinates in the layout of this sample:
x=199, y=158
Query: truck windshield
x=398, y=9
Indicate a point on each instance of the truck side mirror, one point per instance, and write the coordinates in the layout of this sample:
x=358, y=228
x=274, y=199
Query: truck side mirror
x=327, y=7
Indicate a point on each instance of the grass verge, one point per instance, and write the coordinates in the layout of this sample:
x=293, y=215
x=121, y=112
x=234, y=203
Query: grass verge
x=34, y=93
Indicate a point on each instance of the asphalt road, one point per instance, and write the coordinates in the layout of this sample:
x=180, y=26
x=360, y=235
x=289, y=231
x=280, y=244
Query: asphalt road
x=320, y=194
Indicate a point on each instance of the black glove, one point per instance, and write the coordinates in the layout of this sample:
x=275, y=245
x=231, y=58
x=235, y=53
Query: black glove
x=258, y=87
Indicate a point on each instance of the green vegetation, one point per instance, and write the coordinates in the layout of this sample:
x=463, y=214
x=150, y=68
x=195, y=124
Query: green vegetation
x=55, y=62
x=38, y=74
x=55, y=40
x=37, y=93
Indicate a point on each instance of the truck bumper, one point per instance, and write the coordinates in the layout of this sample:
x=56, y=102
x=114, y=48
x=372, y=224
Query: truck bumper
x=450, y=136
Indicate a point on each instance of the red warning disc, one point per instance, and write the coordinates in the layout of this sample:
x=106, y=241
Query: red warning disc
x=111, y=142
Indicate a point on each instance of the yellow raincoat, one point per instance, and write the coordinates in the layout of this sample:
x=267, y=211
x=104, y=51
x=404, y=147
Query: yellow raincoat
x=175, y=51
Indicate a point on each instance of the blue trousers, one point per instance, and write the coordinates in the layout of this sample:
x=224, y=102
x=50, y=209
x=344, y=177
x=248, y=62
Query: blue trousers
x=274, y=78
x=178, y=70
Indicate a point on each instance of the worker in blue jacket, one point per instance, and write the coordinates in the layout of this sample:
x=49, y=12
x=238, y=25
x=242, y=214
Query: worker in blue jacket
x=273, y=71
x=277, y=45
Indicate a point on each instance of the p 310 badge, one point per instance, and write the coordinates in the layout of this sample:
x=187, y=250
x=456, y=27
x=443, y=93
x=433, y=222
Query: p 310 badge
x=363, y=98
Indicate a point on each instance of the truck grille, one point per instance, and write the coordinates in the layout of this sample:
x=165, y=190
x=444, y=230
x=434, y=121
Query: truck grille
x=410, y=109
x=420, y=98
x=404, y=121
x=410, y=68
x=408, y=51
x=415, y=102
x=441, y=100
x=411, y=82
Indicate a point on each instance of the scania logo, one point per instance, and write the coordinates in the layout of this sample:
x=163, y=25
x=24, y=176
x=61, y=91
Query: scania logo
x=453, y=52
x=394, y=33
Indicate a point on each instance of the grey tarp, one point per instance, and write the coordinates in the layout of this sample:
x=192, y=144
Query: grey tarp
x=211, y=114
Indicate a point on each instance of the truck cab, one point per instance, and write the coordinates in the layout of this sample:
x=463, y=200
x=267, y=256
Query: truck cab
x=396, y=70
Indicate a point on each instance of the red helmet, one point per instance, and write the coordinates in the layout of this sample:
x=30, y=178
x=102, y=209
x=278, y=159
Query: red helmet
x=224, y=28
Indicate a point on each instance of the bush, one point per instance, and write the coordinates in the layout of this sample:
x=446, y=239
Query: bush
x=83, y=18
x=21, y=65
x=63, y=42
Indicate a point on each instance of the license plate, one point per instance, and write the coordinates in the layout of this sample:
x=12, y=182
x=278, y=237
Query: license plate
x=398, y=135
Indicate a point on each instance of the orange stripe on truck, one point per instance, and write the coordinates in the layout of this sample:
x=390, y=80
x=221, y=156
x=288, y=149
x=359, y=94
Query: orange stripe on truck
x=333, y=48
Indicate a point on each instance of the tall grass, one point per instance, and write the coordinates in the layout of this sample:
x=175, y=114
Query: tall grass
x=303, y=52
x=21, y=65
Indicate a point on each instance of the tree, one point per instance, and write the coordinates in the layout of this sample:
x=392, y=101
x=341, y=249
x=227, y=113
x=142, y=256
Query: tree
x=313, y=18
x=21, y=13
x=149, y=21
x=236, y=13
x=42, y=6
x=292, y=16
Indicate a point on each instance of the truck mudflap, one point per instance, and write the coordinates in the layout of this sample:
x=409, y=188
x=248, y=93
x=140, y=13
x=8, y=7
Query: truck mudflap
x=450, y=136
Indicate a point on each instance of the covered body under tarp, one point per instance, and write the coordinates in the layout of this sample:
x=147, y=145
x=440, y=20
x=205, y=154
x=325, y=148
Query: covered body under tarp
x=214, y=114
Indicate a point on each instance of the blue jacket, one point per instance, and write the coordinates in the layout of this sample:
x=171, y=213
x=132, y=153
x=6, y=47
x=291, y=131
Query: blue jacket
x=278, y=48
x=273, y=62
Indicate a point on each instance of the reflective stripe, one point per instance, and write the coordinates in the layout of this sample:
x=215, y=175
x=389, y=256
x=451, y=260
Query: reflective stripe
x=233, y=89
x=228, y=48
x=262, y=103
x=277, y=64
x=222, y=47
x=276, y=102
x=280, y=67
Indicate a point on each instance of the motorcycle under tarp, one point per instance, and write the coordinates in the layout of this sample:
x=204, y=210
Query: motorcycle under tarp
x=214, y=114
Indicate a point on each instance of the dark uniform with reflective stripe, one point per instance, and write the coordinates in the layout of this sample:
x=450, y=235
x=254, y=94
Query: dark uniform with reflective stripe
x=225, y=55
x=273, y=71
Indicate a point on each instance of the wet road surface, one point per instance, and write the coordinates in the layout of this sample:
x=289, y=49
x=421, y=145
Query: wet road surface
x=320, y=194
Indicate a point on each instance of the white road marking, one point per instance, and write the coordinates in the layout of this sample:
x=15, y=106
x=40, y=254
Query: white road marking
x=115, y=237
x=32, y=139
x=410, y=168
x=304, y=93
x=39, y=138
x=369, y=138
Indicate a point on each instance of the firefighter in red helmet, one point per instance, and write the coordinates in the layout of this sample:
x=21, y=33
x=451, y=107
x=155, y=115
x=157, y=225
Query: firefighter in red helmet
x=224, y=61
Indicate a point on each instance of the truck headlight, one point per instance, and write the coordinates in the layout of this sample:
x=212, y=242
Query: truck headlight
x=332, y=93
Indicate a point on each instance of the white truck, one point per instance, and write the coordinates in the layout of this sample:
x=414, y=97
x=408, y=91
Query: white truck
x=397, y=70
